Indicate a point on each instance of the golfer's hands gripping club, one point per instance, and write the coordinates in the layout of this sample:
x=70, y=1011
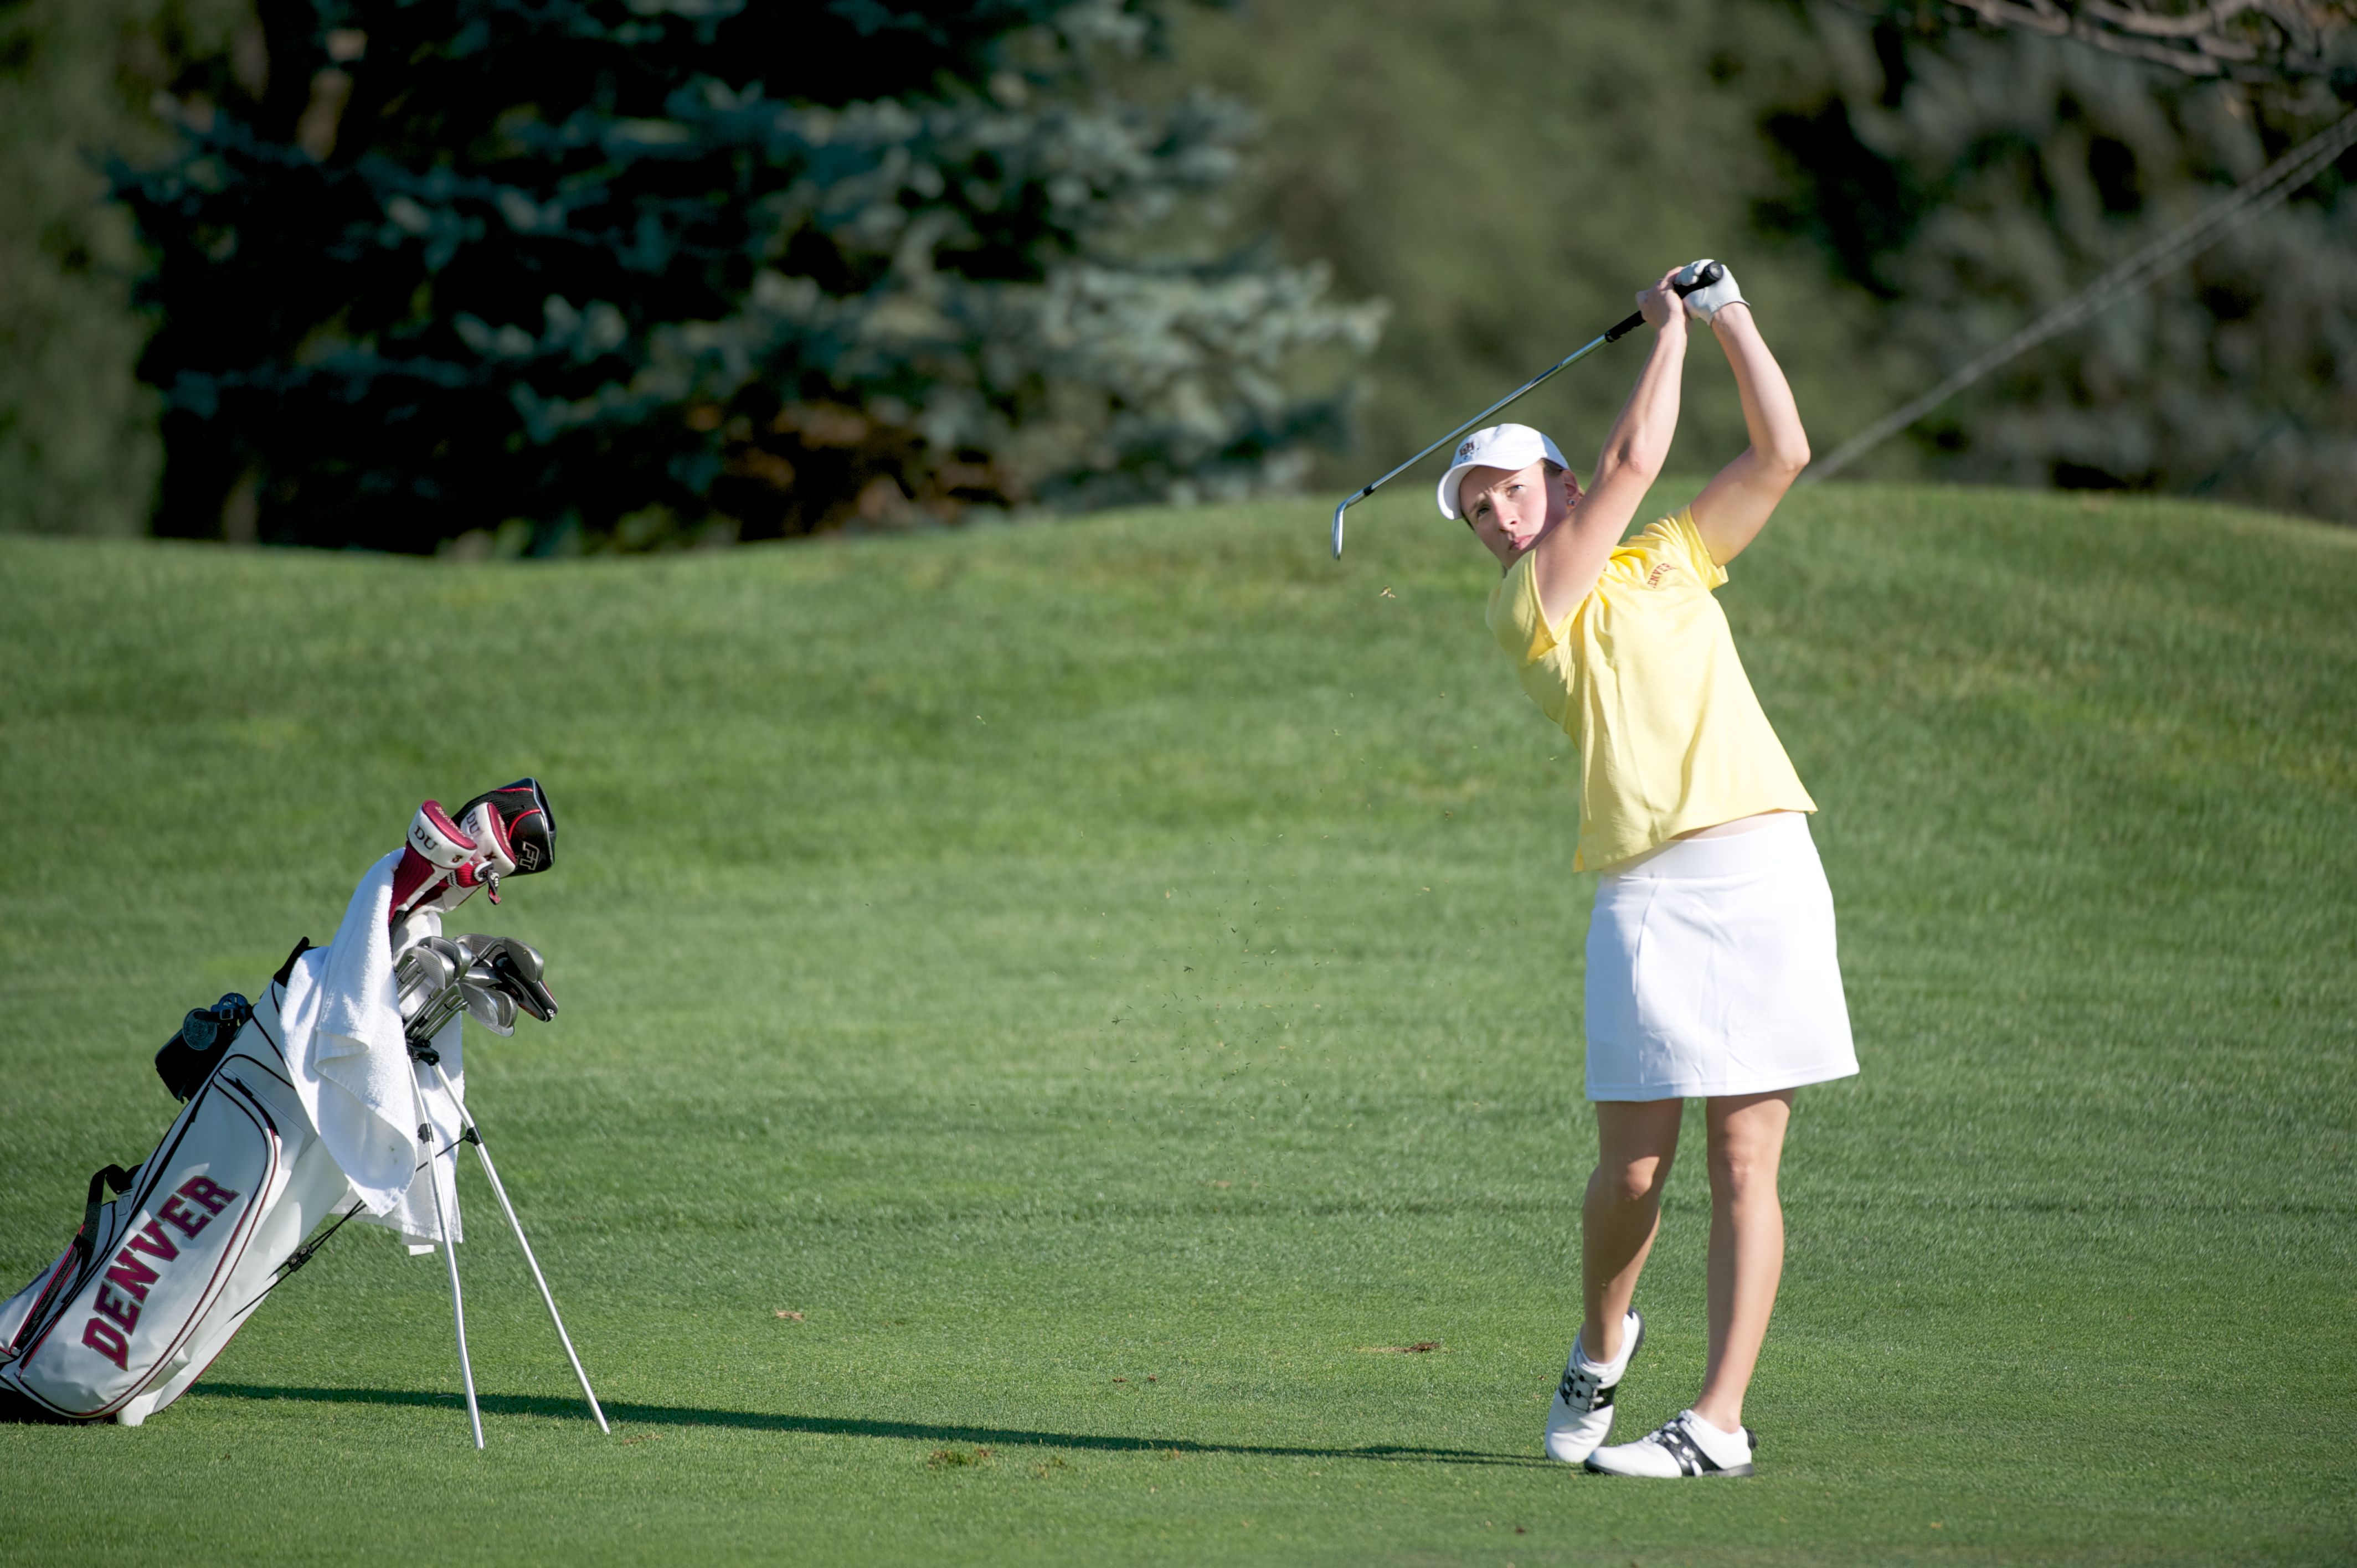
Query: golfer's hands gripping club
x=1659, y=304
x=1709, y=288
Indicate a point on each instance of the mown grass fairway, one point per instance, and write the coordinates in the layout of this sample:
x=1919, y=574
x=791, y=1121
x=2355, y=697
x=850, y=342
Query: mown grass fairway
x=1119, y=980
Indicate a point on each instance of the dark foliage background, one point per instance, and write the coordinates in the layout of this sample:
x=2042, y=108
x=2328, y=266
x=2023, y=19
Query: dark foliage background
x=685, y=268
x=1897, y=188
x=537, y=272
x=1968, y=178
x=1507, y=173
x=78, y=446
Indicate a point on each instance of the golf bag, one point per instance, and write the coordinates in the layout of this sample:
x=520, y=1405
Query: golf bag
x=161, y=1275
x=159, y=1278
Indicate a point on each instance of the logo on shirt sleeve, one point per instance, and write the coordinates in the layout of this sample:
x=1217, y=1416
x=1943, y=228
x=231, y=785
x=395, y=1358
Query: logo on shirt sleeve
x=1660, y=569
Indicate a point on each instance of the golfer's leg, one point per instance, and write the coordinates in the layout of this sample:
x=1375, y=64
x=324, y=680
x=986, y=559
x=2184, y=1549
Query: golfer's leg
x=1636, y=1140
x=1747, y=1244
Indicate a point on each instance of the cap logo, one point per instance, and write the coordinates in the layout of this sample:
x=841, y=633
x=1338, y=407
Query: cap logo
x=1466, y=450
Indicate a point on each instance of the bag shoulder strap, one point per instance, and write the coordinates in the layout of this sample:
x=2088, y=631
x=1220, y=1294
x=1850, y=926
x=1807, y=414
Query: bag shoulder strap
x=286, y=970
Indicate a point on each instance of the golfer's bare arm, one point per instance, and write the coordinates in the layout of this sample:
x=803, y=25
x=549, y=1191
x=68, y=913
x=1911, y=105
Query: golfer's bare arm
x=1733, y=506
x=1570, y=557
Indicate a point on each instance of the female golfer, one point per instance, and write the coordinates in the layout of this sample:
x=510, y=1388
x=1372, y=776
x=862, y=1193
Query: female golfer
x=1711, y=973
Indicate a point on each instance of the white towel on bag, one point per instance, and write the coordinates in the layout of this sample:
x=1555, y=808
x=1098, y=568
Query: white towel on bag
x=353, y=1073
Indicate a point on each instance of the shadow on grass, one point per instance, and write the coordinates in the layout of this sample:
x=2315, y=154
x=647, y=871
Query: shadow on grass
x=844, y=1426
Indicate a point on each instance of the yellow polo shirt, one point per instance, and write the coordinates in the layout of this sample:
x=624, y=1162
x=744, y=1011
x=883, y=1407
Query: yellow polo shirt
x=1643, y=675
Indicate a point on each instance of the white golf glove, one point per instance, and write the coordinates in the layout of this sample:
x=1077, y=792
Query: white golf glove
x=1705, y=303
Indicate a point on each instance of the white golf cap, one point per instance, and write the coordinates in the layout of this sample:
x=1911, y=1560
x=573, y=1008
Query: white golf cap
x=1508, y=447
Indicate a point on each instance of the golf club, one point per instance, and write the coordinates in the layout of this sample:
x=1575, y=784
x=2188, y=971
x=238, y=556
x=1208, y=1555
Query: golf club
x=1703, y=279
x=514, y=967
x=486, y=1003
x=424, y=977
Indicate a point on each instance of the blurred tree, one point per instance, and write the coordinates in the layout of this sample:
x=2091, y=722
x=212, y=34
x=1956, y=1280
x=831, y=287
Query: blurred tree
x=654, y=270
x=78, y=448
x=1970, y=179
x=1509, y=173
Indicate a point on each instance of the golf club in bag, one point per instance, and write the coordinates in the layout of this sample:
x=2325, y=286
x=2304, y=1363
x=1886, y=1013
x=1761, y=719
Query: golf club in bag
x=326, y=1097
x=1707, y=274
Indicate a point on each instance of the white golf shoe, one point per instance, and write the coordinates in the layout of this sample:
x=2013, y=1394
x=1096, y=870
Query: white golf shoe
x=1581, y=1415
x=1685, y=1444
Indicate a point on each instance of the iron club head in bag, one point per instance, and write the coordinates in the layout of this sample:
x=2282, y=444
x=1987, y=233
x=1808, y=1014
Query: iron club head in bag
x=421, y=972
x=1701, y=275
x=426, y=981
x=486, y=1003
x=487, y=977
x=512, y=967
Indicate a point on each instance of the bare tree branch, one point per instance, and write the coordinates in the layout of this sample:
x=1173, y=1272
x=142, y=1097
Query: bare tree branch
x=2246, y=40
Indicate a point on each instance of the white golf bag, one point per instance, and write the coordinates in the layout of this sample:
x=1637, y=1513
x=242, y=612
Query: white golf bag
x=160, y=1277
x=336, y=1092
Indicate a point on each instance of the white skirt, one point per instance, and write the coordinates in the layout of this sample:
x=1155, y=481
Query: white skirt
x=1711, y=971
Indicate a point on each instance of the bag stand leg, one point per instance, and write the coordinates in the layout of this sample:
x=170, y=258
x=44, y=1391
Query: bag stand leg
x=450, y=1253
x=473, y=1134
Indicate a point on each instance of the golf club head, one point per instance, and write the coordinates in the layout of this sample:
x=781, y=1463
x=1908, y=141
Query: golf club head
x=492, y=1008
x=514, y=967
x=525, y=822
x=424, y=972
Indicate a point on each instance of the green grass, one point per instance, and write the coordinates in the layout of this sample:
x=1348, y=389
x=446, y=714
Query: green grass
x=1138, y=949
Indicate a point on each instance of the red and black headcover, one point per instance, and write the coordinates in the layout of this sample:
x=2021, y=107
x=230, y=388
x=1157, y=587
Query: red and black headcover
x=523, y=809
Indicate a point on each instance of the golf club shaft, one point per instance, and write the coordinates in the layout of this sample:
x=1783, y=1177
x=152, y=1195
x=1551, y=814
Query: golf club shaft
x=1619, y=328
x=1705, y=276
x=484, y=1153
